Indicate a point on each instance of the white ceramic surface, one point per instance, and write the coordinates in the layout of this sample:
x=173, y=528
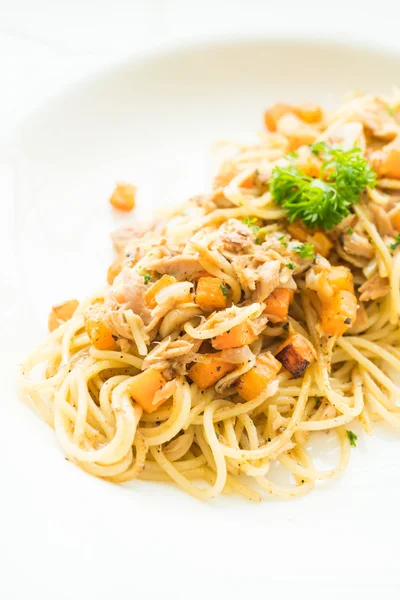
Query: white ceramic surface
x=153, y=121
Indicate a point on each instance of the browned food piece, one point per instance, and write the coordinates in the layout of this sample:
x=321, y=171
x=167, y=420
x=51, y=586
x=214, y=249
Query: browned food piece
x=296, y=354
x=61, y=313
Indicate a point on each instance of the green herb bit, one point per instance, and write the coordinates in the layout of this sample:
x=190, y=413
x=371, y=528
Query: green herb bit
x=322, y=202
x=352, y=438
x=319, y=147
x=396, y=243
x=146, y=277
x=390, y=111
x=224, y=290
x=291, y=265
x=350, y=231
x=305, y=250
x=249, y=222
x=317, y=402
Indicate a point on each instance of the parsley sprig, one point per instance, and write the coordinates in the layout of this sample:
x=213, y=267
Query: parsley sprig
x=324, y=201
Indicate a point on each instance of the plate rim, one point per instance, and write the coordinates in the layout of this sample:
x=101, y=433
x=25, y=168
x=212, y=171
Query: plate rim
x=306, y=37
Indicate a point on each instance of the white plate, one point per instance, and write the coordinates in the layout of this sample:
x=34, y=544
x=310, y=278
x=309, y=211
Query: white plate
x=153, y=121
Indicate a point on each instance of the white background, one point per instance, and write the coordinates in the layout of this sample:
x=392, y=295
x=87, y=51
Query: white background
x=43, y=46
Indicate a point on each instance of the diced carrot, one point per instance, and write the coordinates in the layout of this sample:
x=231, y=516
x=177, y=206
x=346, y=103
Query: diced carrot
x=143, y=388
x=309, y=112
x=298, y=231
x=100, y=336
x=339, y=313
x=277, y=304
x=151, y=293
x=395, y=217
x=207, y=374
x=309, y=164
x=240, y=335
x=253, y=382
x=249, y=182
x=61, y=313
x=296, y=354
x=273, y=114
x=113, y=270
x=123, y=197
x=389, y=165
x=211, y=294
x=322, y=244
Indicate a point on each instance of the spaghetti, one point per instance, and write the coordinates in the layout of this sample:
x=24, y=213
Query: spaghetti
x=230, y=330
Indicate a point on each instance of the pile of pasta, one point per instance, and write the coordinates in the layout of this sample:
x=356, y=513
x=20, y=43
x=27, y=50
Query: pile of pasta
x=240, y=323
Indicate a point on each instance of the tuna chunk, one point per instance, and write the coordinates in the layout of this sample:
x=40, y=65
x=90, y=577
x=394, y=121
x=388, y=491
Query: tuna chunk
x=374, y=288
x=181, y=266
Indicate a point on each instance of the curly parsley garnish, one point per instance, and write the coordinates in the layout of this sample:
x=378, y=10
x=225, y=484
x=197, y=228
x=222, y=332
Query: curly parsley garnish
x=352, y=438
x=146, y=277
x=305, y=250
x=224, y=290
x=325, y=201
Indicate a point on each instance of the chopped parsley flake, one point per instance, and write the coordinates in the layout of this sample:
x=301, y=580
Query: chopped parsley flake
x=390, y=111
x=224, y=290
x=250, y=223
x=291, y=266
x=146, y=277
x=352, y=438
x=317, y=402
x=350, y=231
x=305, y=250
x=396, y=243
